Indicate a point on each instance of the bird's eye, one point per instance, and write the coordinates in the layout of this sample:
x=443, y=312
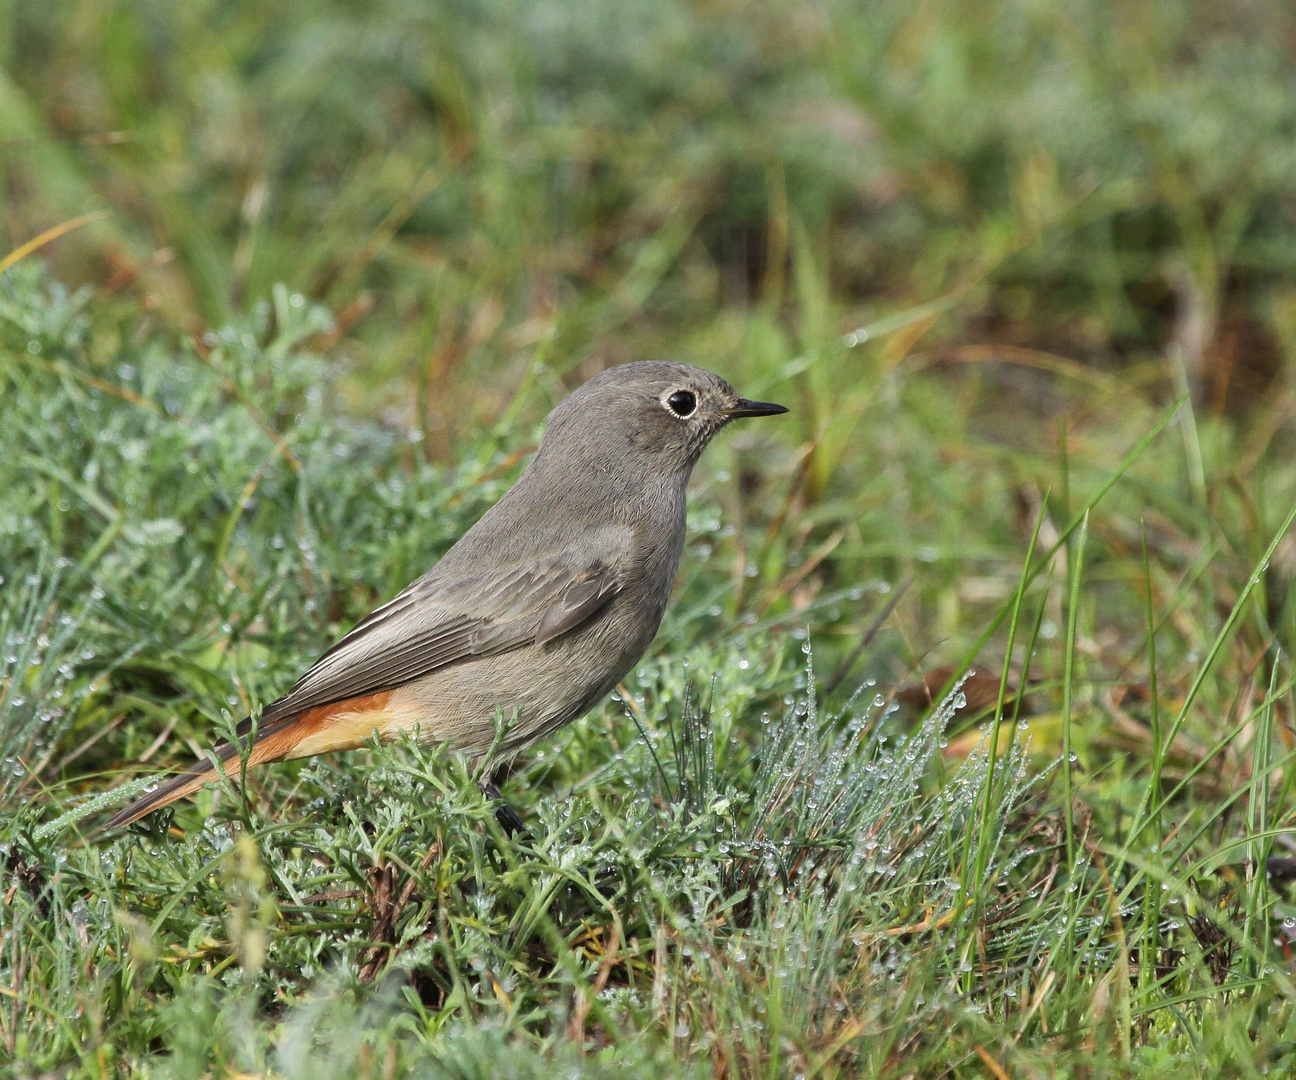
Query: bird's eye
x=682, y=402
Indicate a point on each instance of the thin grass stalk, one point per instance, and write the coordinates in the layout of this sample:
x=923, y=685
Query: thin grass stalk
x=1123, y=467
x=1256, y=926
x=1075, y=570
x=1068, y=681
x=1152, y=891
x=1031, y=645
x=1158, y=878
x=1186, y=842
x=1181, y=888
x=1146, y=814
x=973, y=873
x=1285, y=790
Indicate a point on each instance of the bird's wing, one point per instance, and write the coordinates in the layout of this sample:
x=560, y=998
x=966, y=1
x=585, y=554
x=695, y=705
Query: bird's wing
x=435, y=623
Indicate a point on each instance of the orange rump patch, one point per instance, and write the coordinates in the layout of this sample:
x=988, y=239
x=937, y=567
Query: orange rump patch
x=343, y=725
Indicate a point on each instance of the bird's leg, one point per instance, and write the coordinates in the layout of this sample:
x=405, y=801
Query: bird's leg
x=504, y=814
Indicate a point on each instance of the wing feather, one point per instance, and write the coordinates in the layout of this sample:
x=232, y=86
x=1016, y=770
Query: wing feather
x=435, y=623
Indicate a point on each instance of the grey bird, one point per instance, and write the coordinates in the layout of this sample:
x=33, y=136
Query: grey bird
x=537, y=611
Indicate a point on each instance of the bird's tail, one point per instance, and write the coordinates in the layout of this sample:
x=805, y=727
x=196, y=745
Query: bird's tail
x=340, y=725
x=270, y=745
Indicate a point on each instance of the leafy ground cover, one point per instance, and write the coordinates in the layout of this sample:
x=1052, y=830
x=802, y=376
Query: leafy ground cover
x=965, y=749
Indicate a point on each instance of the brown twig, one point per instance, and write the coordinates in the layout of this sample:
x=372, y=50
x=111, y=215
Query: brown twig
x=585, y=999
x=49, y=235
x=387, y=911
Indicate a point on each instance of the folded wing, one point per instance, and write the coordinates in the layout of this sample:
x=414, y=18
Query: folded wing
x=434, y=624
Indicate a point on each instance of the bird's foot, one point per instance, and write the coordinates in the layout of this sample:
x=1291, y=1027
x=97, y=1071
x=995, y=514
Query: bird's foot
x=508, y=818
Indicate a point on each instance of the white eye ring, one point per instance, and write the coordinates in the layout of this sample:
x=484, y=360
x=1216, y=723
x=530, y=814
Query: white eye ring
x=683, y=403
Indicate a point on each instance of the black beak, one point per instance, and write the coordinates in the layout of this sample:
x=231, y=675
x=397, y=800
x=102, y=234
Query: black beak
x=755, y=408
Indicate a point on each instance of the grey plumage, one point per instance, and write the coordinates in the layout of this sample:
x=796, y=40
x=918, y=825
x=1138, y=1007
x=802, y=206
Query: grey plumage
x=541, y=607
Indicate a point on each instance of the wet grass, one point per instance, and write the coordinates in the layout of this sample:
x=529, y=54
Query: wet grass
x=726, y=866
x=965, y=749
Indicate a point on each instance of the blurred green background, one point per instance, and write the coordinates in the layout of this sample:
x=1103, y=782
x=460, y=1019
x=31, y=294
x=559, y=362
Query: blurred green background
x=727, y=182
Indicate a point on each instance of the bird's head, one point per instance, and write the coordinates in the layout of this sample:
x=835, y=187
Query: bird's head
x=650, y=414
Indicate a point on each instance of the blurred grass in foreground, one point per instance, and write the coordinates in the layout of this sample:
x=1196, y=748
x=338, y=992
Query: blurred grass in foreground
x=1053, y=221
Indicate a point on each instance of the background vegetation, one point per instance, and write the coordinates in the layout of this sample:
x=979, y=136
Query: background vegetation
x=1025, y=273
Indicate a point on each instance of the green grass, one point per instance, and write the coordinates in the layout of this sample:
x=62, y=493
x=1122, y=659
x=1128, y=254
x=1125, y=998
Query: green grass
x=1068, y=234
